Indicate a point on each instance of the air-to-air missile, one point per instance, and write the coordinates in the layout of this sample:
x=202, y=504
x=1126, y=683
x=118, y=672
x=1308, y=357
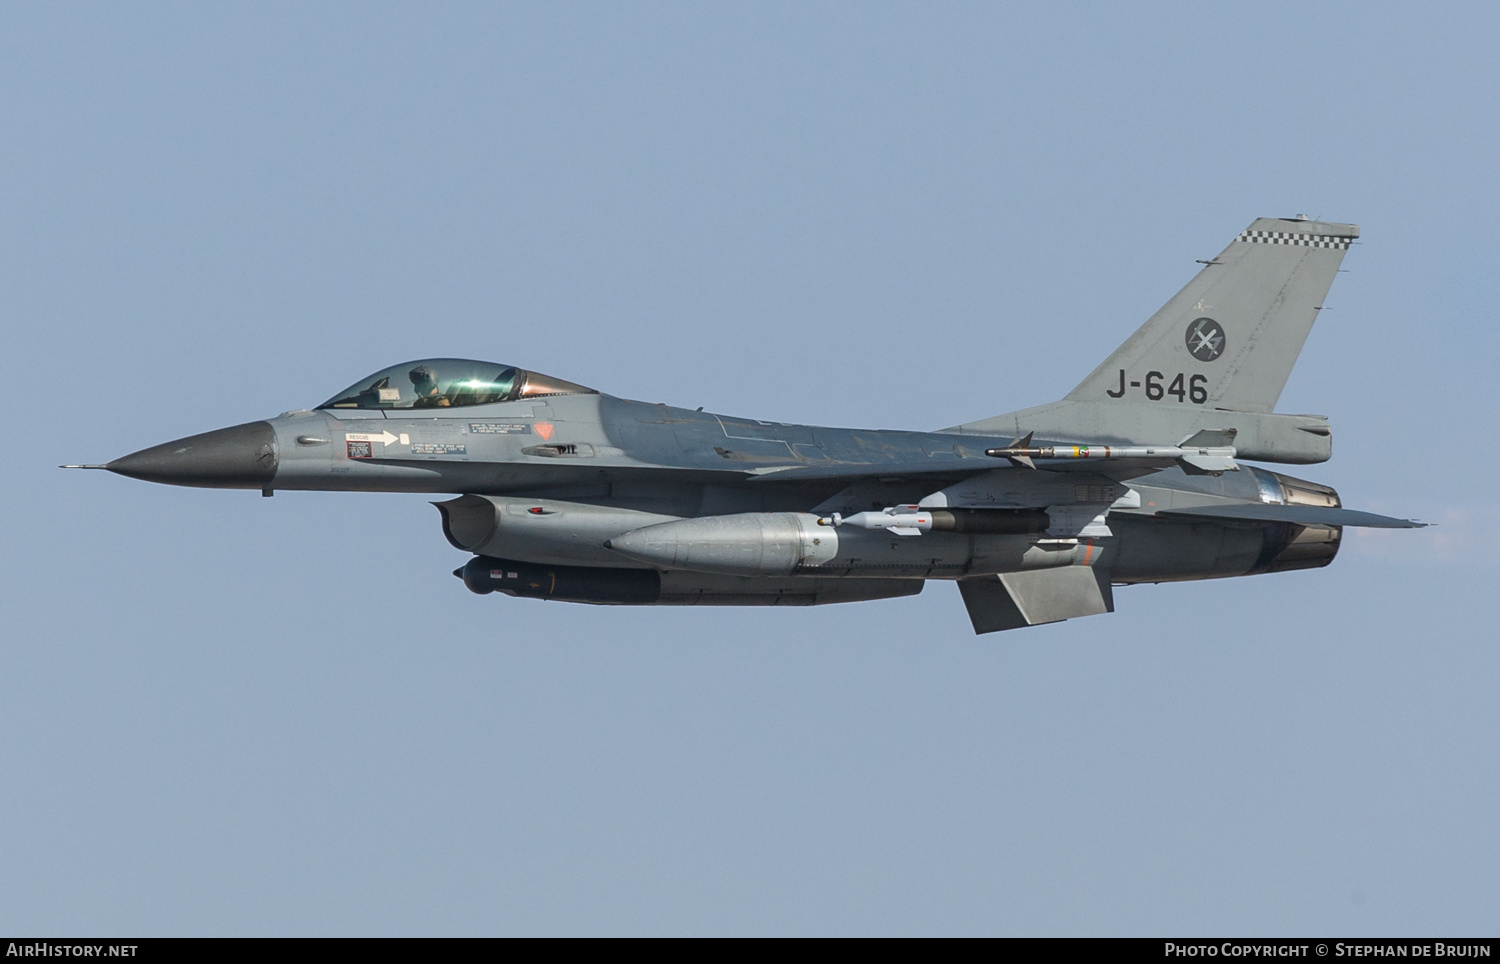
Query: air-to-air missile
x=1203, y=458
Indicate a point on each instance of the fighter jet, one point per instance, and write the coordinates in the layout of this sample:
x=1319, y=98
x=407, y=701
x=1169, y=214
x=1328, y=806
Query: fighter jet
x=1138, y=475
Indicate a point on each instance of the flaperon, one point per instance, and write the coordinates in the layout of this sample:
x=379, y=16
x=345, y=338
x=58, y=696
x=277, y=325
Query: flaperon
x=1137, y=475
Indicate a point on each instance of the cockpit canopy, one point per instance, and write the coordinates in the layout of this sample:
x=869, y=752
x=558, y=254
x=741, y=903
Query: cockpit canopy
x=449, y=383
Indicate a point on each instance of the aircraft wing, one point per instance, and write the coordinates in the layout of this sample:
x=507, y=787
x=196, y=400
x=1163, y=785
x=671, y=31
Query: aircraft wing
x=503, y=477
x=1200, y=454
x=832, y=471
x=1306, y=515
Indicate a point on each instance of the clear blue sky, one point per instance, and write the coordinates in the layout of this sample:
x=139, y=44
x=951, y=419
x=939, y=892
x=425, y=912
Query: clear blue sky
x=222, y=714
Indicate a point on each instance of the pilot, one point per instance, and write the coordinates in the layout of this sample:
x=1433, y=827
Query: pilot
x=426, y=386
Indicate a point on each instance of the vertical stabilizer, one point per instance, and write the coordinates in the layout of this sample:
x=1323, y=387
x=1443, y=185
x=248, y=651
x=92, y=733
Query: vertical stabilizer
x=1230, y=338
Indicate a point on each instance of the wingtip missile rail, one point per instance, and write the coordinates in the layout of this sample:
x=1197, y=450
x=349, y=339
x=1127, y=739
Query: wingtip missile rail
x=1167, y=452
x=1204, y=458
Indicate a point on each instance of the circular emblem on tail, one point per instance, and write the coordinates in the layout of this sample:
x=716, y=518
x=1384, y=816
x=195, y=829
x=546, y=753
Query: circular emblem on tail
x=1205, y=339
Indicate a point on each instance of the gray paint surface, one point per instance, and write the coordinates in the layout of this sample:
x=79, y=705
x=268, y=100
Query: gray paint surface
x=598, y=488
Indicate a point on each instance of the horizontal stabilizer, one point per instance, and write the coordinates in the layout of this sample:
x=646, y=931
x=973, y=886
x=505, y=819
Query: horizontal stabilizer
x=1013, y=600
x=1303, y=515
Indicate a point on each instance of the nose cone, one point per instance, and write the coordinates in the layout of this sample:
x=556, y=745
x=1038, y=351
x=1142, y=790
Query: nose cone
x=242, y=457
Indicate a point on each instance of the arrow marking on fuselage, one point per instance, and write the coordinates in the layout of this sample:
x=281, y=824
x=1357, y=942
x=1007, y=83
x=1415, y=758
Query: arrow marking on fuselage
x=384, y=438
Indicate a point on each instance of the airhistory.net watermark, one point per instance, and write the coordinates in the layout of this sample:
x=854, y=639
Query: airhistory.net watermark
x=43, y=949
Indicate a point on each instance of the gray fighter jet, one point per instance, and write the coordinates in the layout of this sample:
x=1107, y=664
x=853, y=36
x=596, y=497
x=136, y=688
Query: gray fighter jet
x=1137, y=475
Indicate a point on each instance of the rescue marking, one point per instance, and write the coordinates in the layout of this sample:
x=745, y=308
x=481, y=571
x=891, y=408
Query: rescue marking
x=385, y=437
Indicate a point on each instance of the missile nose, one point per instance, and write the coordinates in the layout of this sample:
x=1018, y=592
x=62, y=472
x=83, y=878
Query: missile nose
x=241, y=457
